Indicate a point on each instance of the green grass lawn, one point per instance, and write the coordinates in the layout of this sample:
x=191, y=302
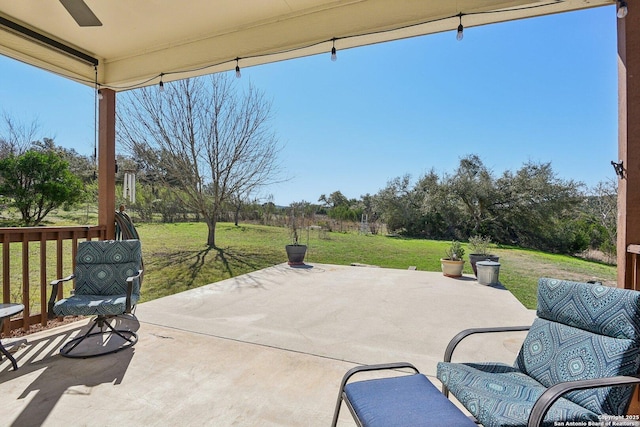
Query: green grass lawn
x=177, y=258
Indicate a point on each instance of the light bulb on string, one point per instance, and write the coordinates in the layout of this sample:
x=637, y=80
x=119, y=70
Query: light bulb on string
x=622, y=9
x=97, y=86
x=334, y=55
x=238, y=73
x=460, y=34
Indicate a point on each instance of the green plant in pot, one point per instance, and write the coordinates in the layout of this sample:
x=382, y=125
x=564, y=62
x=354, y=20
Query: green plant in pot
x=452, y=264
x=295, y=251
x=480, y=251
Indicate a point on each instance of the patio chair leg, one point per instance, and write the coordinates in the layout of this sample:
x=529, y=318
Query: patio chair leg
x=129, y=336
x=9, y=356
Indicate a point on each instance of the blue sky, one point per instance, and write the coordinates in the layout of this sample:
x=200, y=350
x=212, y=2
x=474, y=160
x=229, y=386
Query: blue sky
x=542, y=90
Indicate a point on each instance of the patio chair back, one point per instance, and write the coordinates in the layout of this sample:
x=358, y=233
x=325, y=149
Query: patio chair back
x=584, y=331
x=102, y=267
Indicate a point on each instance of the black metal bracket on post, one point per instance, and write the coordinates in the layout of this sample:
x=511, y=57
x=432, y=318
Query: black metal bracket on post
x=619, y=168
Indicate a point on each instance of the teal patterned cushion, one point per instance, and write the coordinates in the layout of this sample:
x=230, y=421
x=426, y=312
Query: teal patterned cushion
x=554, y=353
x=93, y=305
x=102, y=268
x=600, y=309
x=499, y=395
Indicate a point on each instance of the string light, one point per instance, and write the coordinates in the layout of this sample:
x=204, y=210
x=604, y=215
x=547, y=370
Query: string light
x=238, y=74
x=460, y=34
x=622, y=9
x=161, y=84
x=334, y=55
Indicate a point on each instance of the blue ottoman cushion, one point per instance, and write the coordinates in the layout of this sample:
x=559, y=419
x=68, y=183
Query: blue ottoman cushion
x=409, y=400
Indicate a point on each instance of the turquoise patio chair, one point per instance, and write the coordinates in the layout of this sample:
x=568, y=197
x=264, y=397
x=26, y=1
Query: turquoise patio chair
x=579, y=361
x=107, y=285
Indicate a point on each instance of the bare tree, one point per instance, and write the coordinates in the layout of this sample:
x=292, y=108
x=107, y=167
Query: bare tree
x=204, y=139
x=15, y=136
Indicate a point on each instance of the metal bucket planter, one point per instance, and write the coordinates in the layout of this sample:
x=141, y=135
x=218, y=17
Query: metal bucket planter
x=488, y=273
x=474, y=258
x=296, y=253
x=451, y=268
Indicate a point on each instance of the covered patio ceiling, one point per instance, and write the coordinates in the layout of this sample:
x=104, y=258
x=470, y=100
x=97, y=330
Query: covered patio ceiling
x=139, y=42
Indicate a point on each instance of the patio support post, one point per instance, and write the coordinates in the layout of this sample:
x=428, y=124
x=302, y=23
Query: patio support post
x=629, y=154
x=628, y=143
x=107, y=162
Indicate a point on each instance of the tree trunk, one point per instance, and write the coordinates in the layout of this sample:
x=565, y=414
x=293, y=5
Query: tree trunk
x=211, y=237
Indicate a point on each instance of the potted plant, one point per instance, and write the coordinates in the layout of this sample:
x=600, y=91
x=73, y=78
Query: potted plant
x=453, y=263
x=479, y=247
x=295, y=251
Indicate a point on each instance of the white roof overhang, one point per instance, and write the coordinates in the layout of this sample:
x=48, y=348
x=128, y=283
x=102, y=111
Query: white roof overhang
x=142, y=39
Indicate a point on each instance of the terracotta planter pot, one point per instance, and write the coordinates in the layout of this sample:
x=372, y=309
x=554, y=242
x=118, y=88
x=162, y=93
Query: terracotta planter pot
x=296, y=253
x=451, y=268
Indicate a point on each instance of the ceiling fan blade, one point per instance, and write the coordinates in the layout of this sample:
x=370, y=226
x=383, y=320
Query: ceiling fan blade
x=79, y=11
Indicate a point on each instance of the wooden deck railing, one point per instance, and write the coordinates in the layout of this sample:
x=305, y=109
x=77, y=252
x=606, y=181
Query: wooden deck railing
x=43, y=250
x=632, y=263
x=633, y=251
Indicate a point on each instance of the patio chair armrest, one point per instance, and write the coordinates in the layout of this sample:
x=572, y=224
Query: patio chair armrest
x=54, y=293
x=448, y=353
x=553, y=393
x=366, y=368
x=130, y=289
x=380, y=367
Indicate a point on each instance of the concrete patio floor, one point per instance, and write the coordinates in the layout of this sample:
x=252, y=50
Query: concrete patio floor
x=267, y=348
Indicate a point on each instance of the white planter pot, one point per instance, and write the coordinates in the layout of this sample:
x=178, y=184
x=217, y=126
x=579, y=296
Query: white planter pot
x=451, y=268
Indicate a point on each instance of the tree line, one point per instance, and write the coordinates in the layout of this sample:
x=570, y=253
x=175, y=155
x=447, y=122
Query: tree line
x=530, y=207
